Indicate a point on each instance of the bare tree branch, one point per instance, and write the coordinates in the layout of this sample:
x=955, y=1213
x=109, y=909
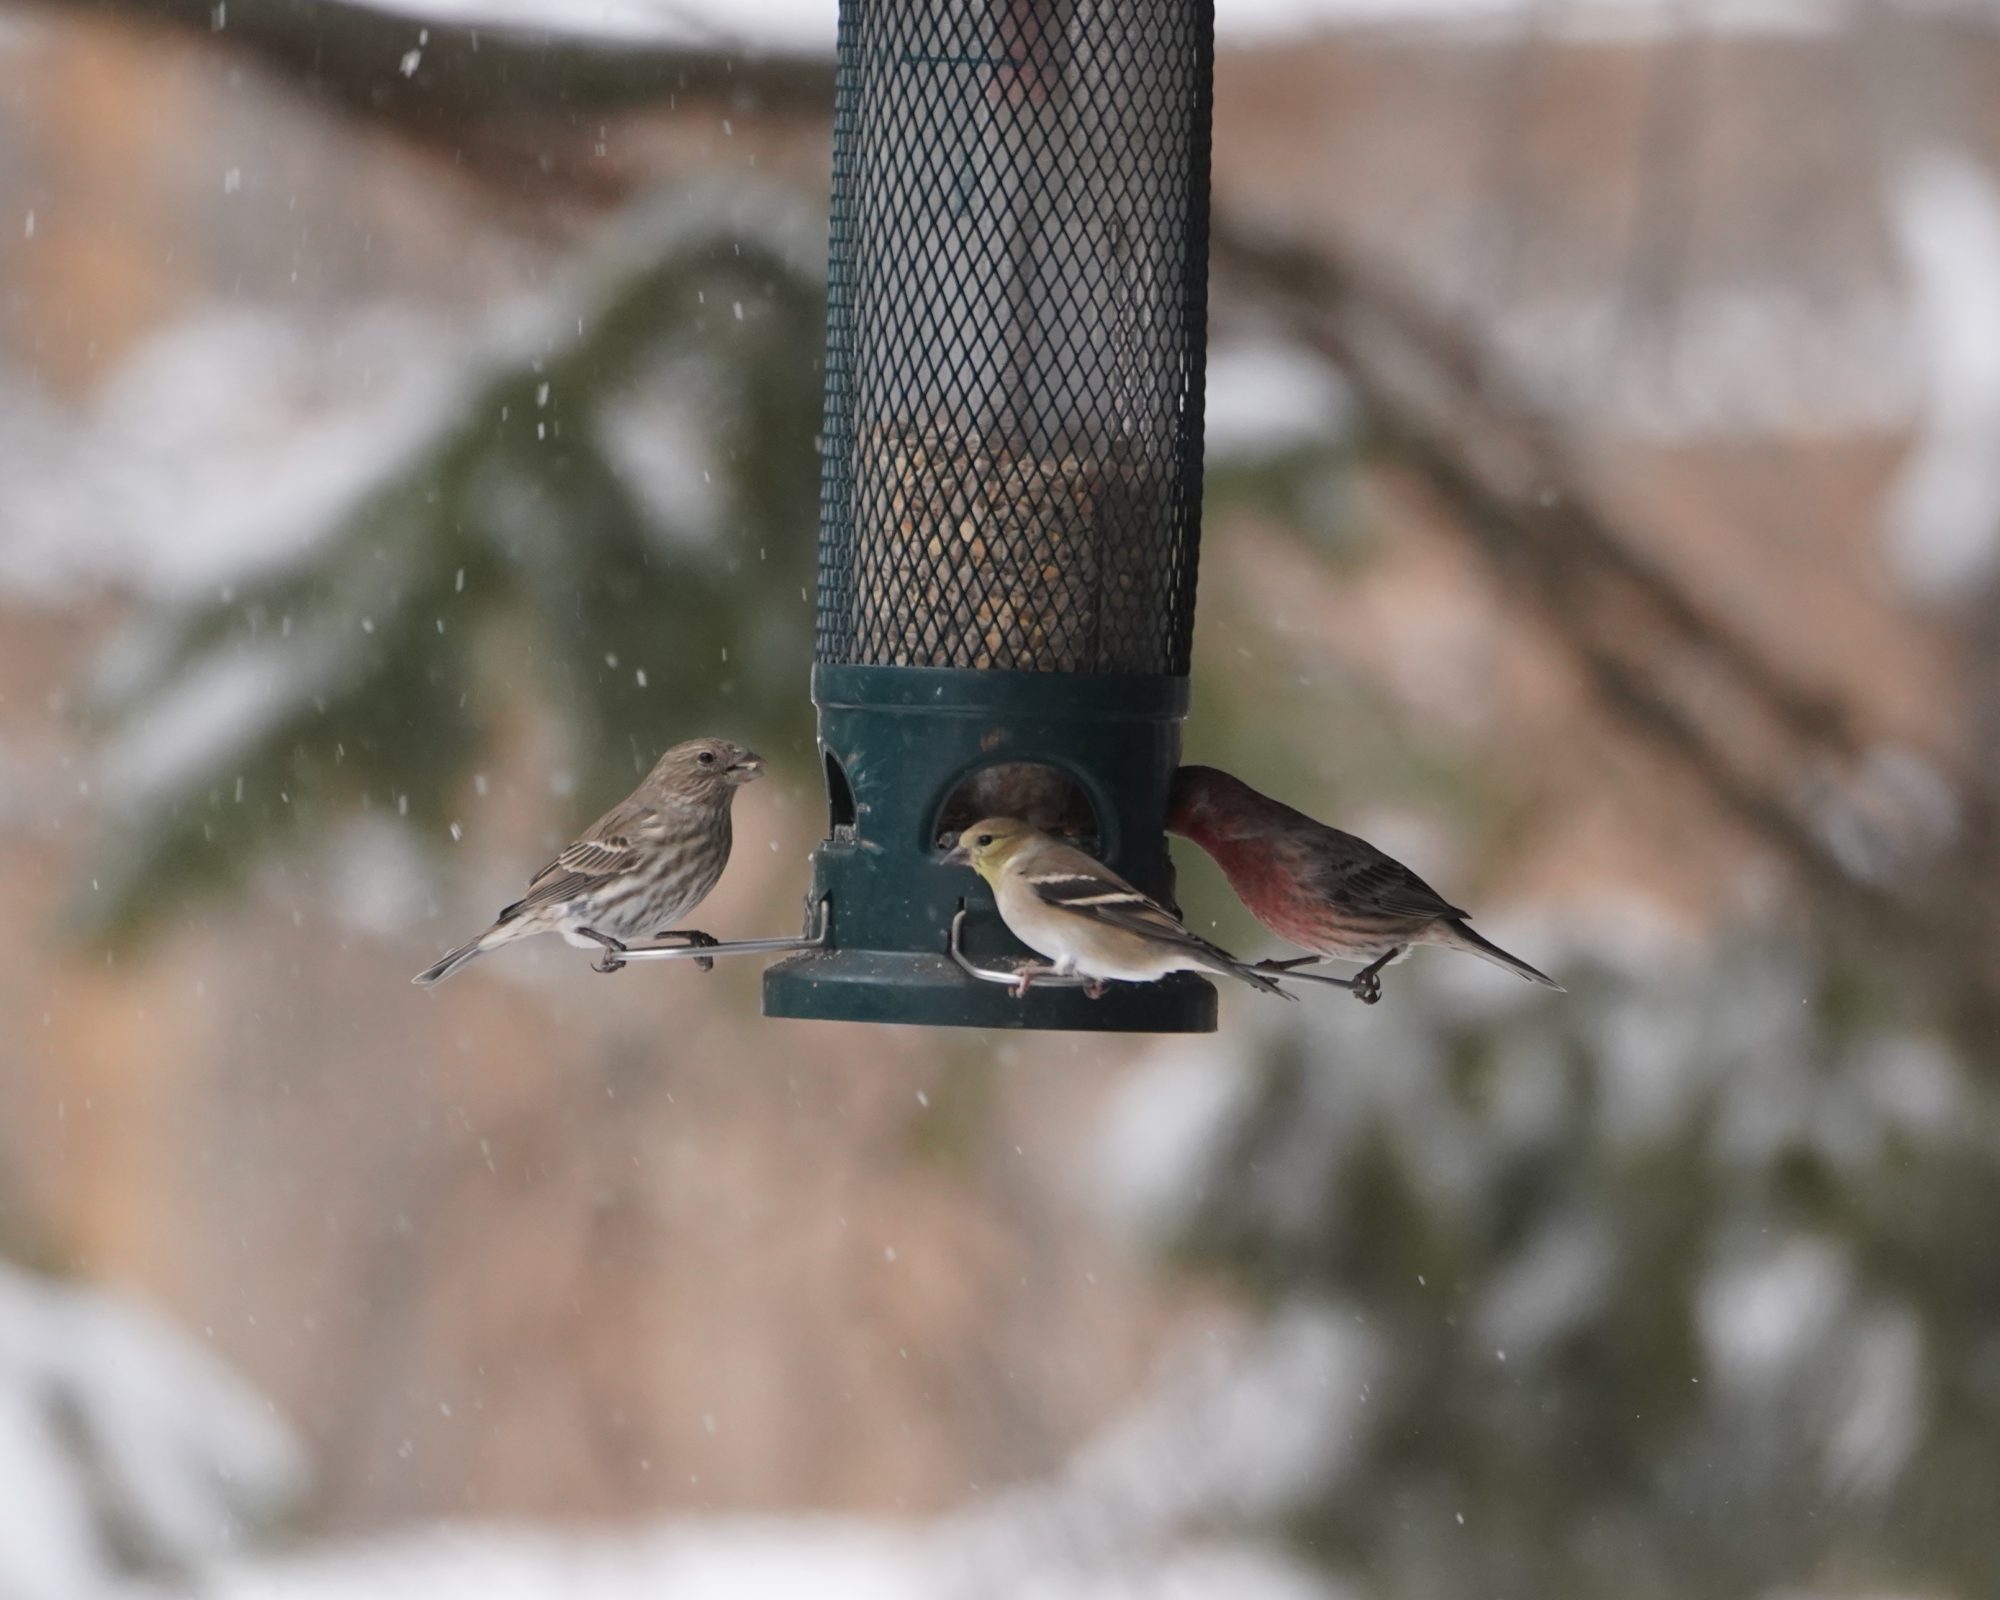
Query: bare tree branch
x=521, y=110
x=420, y=72
x=1476, y=444
x=1669, y=192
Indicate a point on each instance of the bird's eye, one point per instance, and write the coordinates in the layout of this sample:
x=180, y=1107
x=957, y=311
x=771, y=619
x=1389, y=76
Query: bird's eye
x=985, y=839
x=706, y=758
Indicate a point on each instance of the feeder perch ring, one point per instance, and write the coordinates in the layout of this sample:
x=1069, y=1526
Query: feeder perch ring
x=1044, y=975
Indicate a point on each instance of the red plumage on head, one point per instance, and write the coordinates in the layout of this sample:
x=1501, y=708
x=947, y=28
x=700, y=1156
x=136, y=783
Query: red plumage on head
x=1258, y=843
x=1321, y=889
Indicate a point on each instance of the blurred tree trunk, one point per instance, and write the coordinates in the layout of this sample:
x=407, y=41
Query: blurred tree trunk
x=419, y=71
x=522, y=106
x=97, y=232
x=1760, y=745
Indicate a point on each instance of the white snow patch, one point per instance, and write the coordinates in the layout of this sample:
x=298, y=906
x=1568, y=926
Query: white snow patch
x=1879, y=1407
x=1265, y=397
x=656, y=442
x=1759, y=1316
x=226, y=445
x=1894, y=809
x=376, y=878
x=223, y=705
x=1164, y=1133
x=1747, y=357
x=1555, y=1284
x=1914, y=1084
x=807, y=26
x=1247, y=1427
x=1943, y=515
x=739, y=1559
x=118, y=1433
x=234, y=442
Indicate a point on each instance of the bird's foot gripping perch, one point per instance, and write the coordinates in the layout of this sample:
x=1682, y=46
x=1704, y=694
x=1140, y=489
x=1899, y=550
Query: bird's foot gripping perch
x=613, y=949
x=1365, y=985
x=704, y=949
x=692, y=939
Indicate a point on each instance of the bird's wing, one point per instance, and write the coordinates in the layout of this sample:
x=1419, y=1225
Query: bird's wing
x=1068, y=881
x=1099, y=897
x=1359, y=875
x=590, y=858
x=589, y=861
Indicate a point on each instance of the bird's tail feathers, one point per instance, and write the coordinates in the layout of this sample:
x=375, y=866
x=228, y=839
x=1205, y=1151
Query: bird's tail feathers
x=445, y=966
x=1463, y=936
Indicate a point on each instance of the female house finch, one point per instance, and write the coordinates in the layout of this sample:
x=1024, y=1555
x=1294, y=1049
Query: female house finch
x=639, y=868
x=1076, y=911
x=1322, y=889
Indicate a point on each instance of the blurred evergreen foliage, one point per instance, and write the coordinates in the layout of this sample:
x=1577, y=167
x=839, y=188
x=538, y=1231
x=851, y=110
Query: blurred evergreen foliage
x=1673, y=1288
x=504, y=541
x=1676, y=1287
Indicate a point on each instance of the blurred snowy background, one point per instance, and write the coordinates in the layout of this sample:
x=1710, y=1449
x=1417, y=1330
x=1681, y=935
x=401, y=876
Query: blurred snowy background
x=406, y=429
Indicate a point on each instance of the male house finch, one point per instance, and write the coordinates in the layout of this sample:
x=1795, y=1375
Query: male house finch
x=1322, y=889
x=1076, y=911
x=638, y=869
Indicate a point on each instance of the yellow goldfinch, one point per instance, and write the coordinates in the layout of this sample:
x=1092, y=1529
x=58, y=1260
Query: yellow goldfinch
x=1086, y=919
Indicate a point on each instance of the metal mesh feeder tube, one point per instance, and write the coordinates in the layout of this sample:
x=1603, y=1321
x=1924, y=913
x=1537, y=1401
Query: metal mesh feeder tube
x=1011, y=478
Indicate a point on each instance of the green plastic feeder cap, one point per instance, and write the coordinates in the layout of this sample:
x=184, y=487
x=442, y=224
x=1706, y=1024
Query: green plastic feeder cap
x=1011, y=482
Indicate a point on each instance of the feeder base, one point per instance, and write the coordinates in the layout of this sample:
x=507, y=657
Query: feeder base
x=931, y=991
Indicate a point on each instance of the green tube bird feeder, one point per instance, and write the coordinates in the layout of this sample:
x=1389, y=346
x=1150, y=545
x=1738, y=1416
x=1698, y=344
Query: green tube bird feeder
x=1010, y=500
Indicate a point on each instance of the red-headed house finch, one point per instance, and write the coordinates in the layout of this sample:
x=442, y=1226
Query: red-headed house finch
x=636, y=870
x=1086, y=919
x=1323, y=890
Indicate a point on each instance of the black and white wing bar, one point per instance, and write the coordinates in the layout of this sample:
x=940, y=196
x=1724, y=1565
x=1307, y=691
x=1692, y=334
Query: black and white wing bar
x=1046, y=977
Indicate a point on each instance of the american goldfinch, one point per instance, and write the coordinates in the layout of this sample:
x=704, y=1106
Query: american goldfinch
x=1324, y=890
x=1086, y=919
x=636, y=870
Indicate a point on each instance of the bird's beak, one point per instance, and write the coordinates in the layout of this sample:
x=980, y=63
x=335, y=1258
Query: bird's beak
x=956, y=856
x=747, y=766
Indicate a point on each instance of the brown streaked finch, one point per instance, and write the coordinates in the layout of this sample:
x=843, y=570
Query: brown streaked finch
x=1321, y=889
x=1086, y=919
x=638, y=869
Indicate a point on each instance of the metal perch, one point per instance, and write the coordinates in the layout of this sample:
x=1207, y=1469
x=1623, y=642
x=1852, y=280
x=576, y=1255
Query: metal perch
x=1044, y=976
x=1364, y=986
x=677, y=947
x=1041, y=975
